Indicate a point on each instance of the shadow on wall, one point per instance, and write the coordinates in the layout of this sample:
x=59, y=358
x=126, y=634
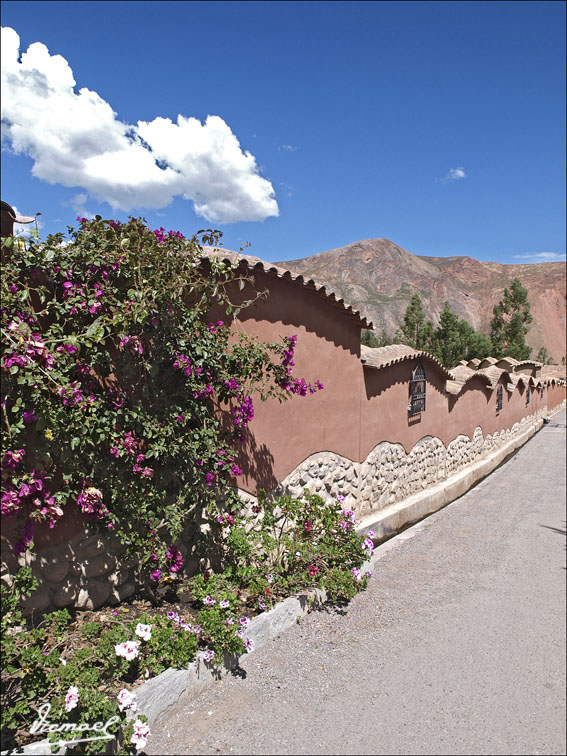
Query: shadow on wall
x=378, y=381
x=257, y=463
x=297, y=306
x=476, y=385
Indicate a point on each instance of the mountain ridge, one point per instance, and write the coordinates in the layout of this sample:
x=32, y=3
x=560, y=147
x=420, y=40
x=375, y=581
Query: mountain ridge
x=378, y=277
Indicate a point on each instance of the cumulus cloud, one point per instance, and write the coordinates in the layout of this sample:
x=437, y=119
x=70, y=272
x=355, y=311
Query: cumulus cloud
x=454, y=174
x=542, y=256
x=77, y=140
x=78, y=203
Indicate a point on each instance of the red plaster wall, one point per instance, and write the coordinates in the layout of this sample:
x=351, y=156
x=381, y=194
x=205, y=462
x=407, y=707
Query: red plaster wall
x=328, y=349
x=360, y=406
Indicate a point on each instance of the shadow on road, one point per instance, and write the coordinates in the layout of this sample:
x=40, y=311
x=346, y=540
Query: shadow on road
x=555, y=530
x=562, y=532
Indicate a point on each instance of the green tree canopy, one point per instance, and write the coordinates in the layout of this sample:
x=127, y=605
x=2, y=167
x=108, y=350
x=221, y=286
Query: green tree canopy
x=452, y=341
x=416, y=331
x=510, y=323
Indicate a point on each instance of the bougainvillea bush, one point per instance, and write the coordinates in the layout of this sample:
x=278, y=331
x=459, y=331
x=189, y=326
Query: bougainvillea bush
x=113, y=378
x=123, y=399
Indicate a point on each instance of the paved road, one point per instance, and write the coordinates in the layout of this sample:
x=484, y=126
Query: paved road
x=456, y=647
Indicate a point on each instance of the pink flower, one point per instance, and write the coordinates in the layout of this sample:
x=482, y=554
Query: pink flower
x=312, y=570
x=245, y=621
x=249, y=645
x=143, y=631
x=90, y=502
x=128, y=650
x=141, y=733
x=156, y=575
x=11, y=459
x=224, y=604
x=209, y=655
x=127, y=700
x=209, y=601
x=72, y=698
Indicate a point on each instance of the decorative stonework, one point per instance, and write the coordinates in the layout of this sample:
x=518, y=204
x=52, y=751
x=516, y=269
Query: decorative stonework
x=389, y=474
x=84, y=573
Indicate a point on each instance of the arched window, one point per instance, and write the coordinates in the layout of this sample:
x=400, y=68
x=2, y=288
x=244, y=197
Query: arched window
x=499, y=395
x=417, y=390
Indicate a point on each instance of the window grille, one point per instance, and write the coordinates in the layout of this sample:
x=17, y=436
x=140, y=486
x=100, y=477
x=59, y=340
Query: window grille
x=499, y=395
x=417, y=390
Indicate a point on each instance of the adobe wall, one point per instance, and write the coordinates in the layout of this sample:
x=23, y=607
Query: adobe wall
x=354, y=438
x=283, y=434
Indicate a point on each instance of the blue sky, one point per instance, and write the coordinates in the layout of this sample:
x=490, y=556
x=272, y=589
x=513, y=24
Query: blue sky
x=304, y=126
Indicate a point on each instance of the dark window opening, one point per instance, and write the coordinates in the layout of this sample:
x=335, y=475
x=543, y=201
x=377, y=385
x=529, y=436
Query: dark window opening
x=499, y=395
x=417, y=390
x=528, y=394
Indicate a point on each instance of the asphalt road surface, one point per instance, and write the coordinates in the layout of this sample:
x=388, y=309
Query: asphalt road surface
x=456, y=647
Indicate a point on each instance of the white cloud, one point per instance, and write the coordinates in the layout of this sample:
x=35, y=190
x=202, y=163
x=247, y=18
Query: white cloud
x=454, y=174
x=287, y=147
x=77, y=140
x=78, y=204
x=290, y=190
x=542, y=256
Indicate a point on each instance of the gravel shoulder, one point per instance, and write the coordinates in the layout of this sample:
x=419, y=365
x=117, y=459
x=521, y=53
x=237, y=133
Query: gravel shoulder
x=456, y=647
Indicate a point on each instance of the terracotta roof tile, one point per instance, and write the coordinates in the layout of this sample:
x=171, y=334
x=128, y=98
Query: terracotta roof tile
x=381, y=357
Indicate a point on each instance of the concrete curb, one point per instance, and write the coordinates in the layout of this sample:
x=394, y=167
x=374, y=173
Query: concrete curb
x=157, y=696
x=394, y=518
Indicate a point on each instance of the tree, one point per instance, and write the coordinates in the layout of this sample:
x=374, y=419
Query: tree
x=416, y=332
x=450, y=337
x=543, y=357
x=368, y=338
x=510, y=323
x=452, y=341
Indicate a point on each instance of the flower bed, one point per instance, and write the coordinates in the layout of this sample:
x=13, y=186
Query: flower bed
x=87, y=666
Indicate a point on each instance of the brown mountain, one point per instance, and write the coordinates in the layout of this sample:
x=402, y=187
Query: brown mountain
x=379, y=278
